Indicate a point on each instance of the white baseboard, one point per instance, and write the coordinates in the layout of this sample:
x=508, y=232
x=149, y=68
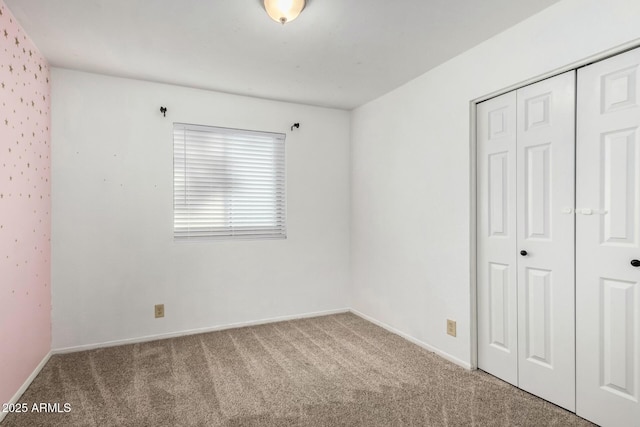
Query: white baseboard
x=195, y=331
x=416, y=341
x=16, y=397
x=147, y=338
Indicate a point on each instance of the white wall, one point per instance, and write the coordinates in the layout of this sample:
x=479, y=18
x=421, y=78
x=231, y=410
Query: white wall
x=113, y=251
x=410, y=177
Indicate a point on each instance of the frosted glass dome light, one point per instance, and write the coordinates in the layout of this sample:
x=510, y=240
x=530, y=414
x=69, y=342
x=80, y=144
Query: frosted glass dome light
x=284, y=11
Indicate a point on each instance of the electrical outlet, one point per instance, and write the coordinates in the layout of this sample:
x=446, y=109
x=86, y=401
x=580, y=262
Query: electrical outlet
x=159, y=310
x=451, y=327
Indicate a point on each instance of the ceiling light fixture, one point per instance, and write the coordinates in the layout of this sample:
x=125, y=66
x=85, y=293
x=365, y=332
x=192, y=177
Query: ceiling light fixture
x=284, y=11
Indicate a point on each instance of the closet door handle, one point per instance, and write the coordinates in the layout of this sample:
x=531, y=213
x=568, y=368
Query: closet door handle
x=525, y=253
x=635, y=263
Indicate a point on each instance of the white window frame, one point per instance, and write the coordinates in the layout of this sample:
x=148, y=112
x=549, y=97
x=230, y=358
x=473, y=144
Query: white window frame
x=228, y=183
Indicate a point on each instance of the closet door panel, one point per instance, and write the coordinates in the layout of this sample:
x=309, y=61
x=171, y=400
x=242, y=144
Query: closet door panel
x=608, y=224
x=545, y=232
x=496, y=267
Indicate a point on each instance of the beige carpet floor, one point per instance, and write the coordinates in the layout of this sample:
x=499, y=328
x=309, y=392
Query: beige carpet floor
x=337, y=370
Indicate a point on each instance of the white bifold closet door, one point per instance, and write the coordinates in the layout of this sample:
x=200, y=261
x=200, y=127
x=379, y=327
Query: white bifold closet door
x=496, y=243
x=608, y=241
x=526, y=194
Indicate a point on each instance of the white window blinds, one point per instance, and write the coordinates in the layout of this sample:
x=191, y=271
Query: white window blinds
x=228, y=183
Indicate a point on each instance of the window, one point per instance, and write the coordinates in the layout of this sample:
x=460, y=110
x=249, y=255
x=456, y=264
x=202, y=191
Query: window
x=228, y=183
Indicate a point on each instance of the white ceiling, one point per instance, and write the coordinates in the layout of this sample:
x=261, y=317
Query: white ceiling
x=338, y=53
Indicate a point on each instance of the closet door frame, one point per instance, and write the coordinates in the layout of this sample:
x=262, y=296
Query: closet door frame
x=473, y=184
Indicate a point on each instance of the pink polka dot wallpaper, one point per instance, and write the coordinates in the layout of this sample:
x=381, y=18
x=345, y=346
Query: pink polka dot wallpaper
x=25, y=206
